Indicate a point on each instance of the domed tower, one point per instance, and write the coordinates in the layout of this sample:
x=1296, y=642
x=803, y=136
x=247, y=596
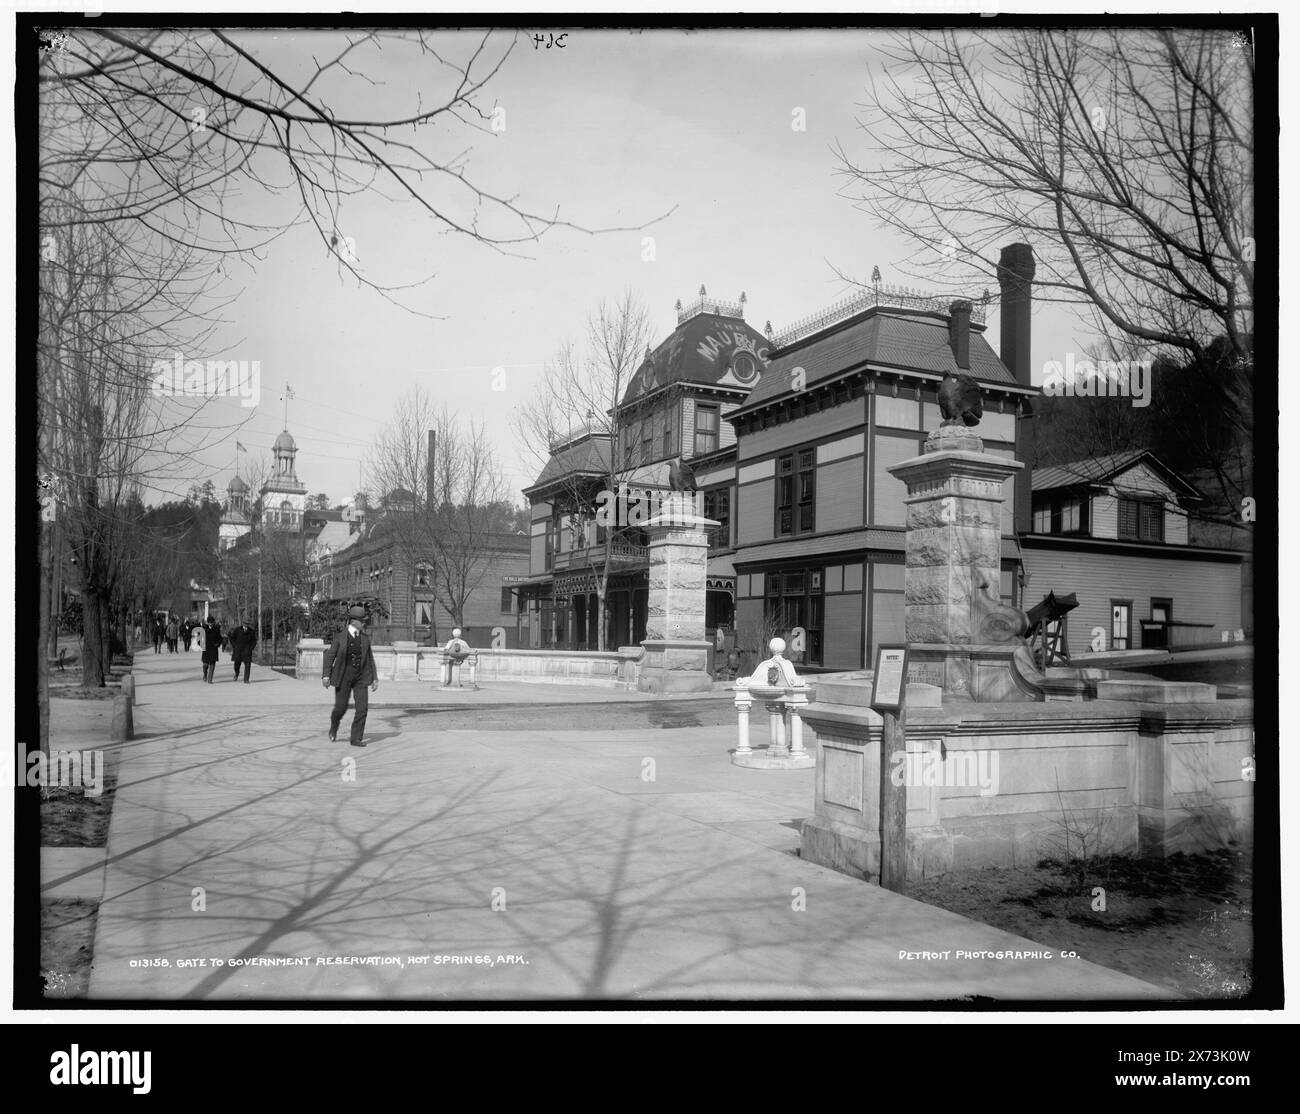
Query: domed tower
x=284, y=496
x=235, y=519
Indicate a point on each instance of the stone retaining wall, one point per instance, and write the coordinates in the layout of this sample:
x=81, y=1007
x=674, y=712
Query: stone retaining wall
x=410, y=661
x=1137, y=777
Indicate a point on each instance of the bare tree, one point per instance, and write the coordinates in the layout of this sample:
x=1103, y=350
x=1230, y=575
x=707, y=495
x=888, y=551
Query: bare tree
x=469, y=487
x=580, y=395
x=1124, y=156
x=448, y=528
x=189, y=117
x=166, y=153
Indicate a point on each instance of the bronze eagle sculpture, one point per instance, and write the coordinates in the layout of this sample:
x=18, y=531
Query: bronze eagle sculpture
x=681, y=477
x=959, y=400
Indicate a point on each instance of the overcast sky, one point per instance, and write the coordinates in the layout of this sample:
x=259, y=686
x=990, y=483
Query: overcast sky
x=615, y=129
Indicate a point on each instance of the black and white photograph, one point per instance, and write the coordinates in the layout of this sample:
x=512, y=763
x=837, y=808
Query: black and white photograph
x=658, y=512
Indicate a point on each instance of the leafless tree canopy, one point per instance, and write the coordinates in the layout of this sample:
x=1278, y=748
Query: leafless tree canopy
x=167, y=154
x=1124, y=157
x=580, y=391
x=453, y=524
x=173, y=128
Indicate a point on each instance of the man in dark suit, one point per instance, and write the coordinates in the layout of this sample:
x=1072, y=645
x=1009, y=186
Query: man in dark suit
x=350, y=666
x=211, y=647
x=242, y=640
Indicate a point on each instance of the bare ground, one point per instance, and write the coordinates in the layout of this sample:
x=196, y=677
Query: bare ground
x=1183, y=922
x=67, y=947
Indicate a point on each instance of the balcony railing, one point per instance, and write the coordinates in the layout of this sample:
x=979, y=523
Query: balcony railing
x=593, y=555
x=621, y=551
x=888, y=295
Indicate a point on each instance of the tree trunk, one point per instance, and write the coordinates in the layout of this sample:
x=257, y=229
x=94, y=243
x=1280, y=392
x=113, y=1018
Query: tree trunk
x=93, y=640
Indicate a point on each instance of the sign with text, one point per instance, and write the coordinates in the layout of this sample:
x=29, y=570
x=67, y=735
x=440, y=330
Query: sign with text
x=888, y=691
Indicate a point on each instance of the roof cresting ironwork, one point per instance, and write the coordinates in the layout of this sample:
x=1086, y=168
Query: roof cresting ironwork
x=885, y=295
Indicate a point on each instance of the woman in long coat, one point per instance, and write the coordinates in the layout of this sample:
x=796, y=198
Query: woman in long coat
x=211, y=648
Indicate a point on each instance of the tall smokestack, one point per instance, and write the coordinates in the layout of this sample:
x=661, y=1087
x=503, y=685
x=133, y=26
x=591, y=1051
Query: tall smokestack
x=959, y=332
x=429, y=473
x=1015, y=276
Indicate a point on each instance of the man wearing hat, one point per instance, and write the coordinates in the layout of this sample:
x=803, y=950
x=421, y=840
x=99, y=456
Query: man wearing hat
x=350, y=666
x=242, y=641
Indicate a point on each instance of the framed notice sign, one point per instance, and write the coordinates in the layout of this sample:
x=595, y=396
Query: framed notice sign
x=889, y=692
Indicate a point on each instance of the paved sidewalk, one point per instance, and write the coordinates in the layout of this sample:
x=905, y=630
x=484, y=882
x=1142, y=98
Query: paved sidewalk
x=314, y=870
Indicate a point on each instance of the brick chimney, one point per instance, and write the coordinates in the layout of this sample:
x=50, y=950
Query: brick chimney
x=1015, y=274
x=959, y=332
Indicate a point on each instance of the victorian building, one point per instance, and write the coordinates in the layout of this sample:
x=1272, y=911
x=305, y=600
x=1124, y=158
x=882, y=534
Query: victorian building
x=791, y=436
x=674, y=410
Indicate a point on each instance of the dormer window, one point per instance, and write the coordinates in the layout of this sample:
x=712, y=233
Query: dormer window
x=1142, y=520
x=1065, y=514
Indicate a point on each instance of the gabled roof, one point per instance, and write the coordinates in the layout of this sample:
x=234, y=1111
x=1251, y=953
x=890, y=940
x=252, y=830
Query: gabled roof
x=1101, y=469
x=886, y=338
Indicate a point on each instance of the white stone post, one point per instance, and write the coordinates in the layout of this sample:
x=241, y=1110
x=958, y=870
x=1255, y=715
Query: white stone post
x=794, y=702
x=776, y=725
x=743, y=703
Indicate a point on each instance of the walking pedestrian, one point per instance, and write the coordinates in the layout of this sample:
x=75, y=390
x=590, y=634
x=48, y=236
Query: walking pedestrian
x=242, y=640
x=349, y=667
x=187, y=633
x=211, y=635
x=159, y=633
x=173, y=633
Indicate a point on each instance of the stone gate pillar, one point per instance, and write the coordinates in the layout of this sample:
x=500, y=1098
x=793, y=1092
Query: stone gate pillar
x=676, y=651
x=957, y=626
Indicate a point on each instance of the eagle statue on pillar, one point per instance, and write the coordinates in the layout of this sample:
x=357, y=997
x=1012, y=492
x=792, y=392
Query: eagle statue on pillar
x=681, y=477
x=959, y=400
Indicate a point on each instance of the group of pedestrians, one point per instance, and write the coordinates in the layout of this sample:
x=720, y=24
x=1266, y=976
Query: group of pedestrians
x=349, y=664
x=242, y=641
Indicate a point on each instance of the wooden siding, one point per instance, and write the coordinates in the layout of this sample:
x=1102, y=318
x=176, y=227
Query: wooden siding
x=1175, y=526
x=716, y=475
x=842, y=632
x=898, y=413
x=839, y=494
x=811, y=427
x=726, y=431
x=754, y=510
x=854, y=445
x=888, y=622
x=888, y=491
x=1143, y=479
x=1104, y=517
x=1202, y=591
